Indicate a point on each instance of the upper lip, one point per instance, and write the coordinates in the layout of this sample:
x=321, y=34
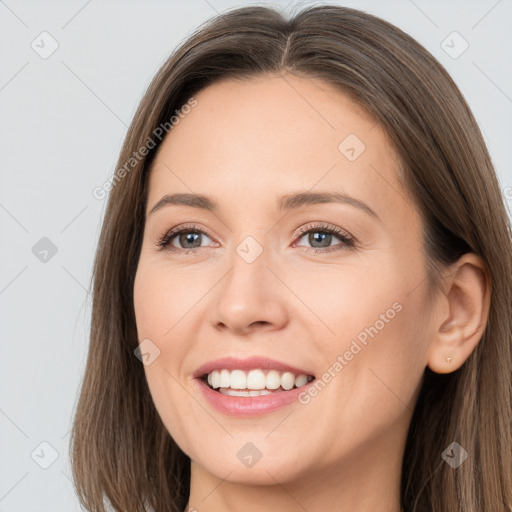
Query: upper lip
x=250, y=363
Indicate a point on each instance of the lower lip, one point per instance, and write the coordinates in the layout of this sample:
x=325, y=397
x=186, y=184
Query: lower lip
x=249, y=405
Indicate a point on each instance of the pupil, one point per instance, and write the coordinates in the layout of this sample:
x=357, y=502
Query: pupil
x=185, y=237
x=313, y=237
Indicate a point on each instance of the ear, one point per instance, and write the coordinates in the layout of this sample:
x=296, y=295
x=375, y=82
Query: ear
x=463, y=311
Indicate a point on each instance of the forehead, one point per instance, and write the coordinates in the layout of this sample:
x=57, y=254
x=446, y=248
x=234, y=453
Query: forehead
x=276, y=133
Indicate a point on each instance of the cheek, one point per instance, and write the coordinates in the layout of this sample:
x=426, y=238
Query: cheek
x=162, y=311
x=372, y=368
x=158, y=309
x=154, y=307
x=163, y=297
x=377, y=317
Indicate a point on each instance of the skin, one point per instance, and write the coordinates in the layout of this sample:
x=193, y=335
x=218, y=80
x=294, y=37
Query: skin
x=245, y=144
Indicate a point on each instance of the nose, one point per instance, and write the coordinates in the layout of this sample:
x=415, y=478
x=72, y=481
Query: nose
x=250, y=298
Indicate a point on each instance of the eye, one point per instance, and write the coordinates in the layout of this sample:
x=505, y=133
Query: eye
x=189, y=237
x=320, y=236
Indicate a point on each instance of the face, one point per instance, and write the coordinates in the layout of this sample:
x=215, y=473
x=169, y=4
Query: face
x=331, y=289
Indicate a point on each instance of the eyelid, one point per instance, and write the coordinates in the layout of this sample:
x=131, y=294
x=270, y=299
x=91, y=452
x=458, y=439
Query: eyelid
x=348, y=242
x=171, y=233
x=320, y=225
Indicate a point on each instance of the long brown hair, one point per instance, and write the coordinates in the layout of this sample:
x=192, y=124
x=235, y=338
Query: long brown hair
x=120, y=449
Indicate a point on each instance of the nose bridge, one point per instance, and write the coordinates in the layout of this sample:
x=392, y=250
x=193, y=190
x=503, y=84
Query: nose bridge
x=254, y=252
x=249, y=276
x=250, y=292
x=252, y=239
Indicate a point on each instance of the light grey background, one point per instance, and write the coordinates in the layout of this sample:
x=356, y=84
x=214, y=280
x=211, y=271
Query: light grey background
x=63, y=119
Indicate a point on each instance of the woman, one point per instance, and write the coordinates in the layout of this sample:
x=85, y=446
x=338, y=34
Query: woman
x=337, y=335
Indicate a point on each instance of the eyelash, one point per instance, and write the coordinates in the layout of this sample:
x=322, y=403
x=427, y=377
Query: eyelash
x=347, y=241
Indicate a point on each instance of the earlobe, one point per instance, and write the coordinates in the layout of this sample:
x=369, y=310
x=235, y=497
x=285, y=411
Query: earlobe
x=463, y=311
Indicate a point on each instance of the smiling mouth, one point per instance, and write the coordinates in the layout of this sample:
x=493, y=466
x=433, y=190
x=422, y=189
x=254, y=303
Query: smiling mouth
x=255, y=382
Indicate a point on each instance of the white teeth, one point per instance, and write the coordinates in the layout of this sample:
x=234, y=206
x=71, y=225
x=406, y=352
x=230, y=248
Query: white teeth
x=225, y=379
x=273, y=379
x=287, y=380
x=215, y=379
x=301, y=380
x=256, y=381
x=238, y=379
x=234, y=392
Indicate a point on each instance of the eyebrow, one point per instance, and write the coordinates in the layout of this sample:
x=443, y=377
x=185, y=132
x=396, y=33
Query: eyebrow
x=286, y=202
